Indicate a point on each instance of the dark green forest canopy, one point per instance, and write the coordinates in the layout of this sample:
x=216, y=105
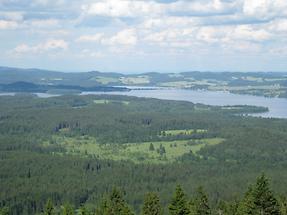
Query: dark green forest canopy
x=34, y=166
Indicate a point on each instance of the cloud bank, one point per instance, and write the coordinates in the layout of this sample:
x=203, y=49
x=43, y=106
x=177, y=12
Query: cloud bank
x=136, y=33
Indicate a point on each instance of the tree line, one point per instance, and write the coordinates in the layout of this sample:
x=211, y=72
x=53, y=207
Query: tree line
x=259, y=199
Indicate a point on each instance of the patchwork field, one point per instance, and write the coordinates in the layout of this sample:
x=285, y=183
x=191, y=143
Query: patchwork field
x=135, y=80
x=179, y=84
x=149, y=152
x=182, y=132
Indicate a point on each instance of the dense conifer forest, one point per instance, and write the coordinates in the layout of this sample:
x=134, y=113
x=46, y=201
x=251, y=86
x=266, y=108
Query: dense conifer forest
x=127, y=155
x=143, y=107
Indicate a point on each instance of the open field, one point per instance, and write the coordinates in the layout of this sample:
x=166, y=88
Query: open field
x=148, y=152
x=105, y=80
x=135, y=80
x=180, y=84
x=182, y=132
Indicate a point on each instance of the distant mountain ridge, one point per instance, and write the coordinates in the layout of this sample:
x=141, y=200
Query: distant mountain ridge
x=269, y=84
x=28, y=87
x=10, y=75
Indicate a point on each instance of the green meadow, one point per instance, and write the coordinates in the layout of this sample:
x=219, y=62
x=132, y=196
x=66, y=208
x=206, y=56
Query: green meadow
x=148, y=152
x=182, y=132
x=135, y=80
x=105, y=80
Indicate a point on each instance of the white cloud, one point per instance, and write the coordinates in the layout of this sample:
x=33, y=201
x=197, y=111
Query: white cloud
x=6, y=25
x=123, y=8
x=245, y=32
x=169, y=22
x=49, y=45
x=40, y=3
x=202, y=7
x=11, y=15
x=279, y=26
x=91, y=53
x=23, y=48
x=173, y=38
x=91, y=38
x=12, y=21
x=49, y=3
x=243, y=37
x=241, y=46
x=188, y=36
x=54, y=44
x=124, y=37
x=279, y=50
x=265, y=9
x=127, y=26
x=210, y=34
x=166, y=35
x=139, y=8
x=45, y=23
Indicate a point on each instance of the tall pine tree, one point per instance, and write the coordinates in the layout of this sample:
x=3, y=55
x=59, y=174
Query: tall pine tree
x=67, y=209
x=83, y=211
x=4, y=211
x=264, y=198
x=49, y=208
x=103, y=207
x=114, y=205
x=227, y=208
x=152, y=205
x=247, y=205
x=178, y=205
x=200, y=205
x=283, y=205
x=259, y=200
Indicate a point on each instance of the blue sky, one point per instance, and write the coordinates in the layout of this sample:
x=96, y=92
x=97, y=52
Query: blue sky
x=144, y=35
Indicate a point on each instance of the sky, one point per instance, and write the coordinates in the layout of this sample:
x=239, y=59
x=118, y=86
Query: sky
x=134, y=36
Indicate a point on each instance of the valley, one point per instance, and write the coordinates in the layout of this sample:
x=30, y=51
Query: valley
x=50, y=145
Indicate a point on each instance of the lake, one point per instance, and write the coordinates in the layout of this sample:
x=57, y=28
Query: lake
x=277, y=106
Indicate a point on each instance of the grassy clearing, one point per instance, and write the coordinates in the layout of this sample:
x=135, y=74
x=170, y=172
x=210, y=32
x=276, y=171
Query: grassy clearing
x=101, y=101
x=105, y=80
x=207, y=82
x=182, y=132
x=105, y=101
x=135, y=80
x=189, y=82
x=136, y=152
x=180, y=84
x=260, y=87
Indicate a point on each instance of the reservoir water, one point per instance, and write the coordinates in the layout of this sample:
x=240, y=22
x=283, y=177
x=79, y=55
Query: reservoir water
x=277, y=106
